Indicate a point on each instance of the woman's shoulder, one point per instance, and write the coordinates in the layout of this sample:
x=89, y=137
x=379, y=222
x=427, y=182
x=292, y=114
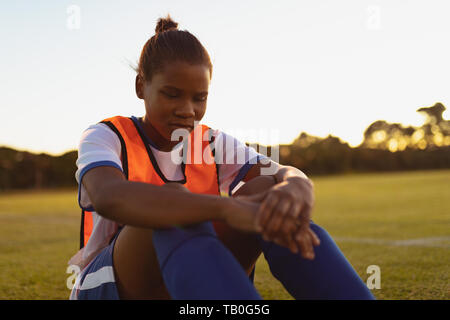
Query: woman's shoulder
x=100, y=138
x=98, y=131
x=101, y=127
x=98, y=144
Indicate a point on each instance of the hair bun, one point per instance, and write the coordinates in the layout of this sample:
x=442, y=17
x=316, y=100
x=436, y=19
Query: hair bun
x=166, y=24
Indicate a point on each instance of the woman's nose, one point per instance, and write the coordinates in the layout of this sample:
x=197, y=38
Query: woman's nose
x=185, y=111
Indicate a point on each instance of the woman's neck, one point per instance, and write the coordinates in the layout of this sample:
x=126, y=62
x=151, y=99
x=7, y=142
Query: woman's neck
x=161, y=143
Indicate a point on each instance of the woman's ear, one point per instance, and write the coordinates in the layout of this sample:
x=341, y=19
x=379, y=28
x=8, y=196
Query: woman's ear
x=139, y=84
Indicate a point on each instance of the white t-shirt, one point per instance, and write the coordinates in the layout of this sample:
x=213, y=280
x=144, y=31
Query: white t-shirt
x=100, y=146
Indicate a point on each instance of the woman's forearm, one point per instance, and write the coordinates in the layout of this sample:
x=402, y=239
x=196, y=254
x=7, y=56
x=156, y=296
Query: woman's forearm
x=146, y=205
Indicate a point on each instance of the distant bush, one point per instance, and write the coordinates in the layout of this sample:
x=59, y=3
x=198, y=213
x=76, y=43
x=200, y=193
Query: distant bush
x=386, y=147
x=25, y=170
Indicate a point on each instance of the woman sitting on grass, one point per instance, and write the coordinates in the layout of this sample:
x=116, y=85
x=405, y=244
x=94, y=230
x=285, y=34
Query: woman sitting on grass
x=160, y=228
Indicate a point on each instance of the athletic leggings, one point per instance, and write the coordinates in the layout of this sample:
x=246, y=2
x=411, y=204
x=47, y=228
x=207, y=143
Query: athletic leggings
x=195, y=265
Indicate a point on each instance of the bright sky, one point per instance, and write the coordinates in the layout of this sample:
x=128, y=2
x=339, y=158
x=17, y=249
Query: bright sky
x=280, y=67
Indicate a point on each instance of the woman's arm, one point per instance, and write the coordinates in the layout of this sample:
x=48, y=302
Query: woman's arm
x=146, y=205
x=285, y=211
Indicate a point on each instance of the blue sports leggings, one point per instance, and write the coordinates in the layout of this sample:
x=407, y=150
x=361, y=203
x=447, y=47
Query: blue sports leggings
x=195, y=265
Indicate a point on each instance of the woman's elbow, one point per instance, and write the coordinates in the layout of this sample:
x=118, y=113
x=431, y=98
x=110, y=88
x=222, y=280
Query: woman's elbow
x=107, y=201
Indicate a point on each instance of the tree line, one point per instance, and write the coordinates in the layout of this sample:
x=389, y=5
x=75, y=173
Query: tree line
x=386, y=147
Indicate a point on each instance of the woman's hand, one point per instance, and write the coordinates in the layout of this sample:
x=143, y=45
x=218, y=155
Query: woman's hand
x=241, y=213
x=301, y=238
x=238, y=213
x=285, y=214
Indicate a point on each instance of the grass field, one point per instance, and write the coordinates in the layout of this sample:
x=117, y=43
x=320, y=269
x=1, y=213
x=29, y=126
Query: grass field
x=398, y=221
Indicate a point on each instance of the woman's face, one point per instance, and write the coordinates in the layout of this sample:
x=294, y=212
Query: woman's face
x=175, y=97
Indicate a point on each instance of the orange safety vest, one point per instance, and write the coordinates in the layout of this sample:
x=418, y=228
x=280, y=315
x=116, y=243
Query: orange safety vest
x=139, y=163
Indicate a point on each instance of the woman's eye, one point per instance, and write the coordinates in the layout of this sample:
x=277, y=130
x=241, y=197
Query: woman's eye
x=170, y=95
x=202, y=98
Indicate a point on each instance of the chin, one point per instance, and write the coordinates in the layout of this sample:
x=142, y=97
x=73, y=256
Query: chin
x=177, y=137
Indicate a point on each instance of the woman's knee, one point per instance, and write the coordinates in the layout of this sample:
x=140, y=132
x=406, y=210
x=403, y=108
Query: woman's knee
x=166, y=241
x=135, y=265
x=179, y=234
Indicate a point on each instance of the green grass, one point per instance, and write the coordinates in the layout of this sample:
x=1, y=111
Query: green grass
x=385, y=206
x=40, y=233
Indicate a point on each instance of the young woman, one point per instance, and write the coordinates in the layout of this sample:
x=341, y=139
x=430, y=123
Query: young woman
x=155, y=227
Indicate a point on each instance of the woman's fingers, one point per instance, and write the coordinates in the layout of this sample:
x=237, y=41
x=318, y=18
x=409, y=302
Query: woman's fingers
x=266, y=208
x=315, y=238
x=298, y=238
x=288, y=229
x=281, y=223
x=304, y=241
x=277, y=218
x=287, y=241
x=295, y=209
x=292, y=244
x=287, y=235
x=305, y=215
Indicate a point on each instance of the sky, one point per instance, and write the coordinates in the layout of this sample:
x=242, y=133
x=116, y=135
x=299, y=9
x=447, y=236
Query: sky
x=280, y=67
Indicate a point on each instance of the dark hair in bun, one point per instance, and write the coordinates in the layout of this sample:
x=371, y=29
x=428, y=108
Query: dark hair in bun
x=166, y=24
x=170, y=44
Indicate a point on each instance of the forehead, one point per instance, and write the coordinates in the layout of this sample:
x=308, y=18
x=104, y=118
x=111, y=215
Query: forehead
x=183, y=76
